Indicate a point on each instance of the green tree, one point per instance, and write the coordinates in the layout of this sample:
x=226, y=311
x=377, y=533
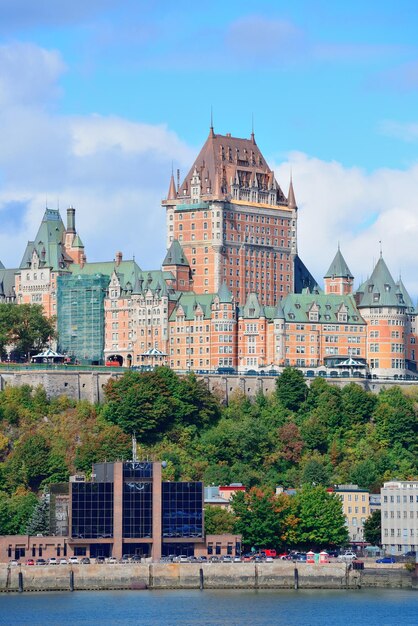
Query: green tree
x=291, y=388
x=373, y=528
x=322, y=522
x=396, y=418
x=257, y=519
x=218, y=520
x=315, y=472
x=357, y=404
x=29, y=329
x=15, y=511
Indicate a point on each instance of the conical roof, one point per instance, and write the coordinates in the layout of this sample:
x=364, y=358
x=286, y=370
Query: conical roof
x=172, y=193
x=380, y=289
x=338, y=267
x=291, y=200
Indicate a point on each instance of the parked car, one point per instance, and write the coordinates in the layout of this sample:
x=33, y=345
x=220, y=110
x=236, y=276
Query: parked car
x=347, y=556
x=183, y=558
x=52, y=561
x=300, y=557
x=214, y=559
x=411, y=553
x=63, y=562
x=112, y=560
x=226, y=559
x=85, y=560
x=30, y=562
x=73, y=560
x=237, y=559
x=40, y=562
x=125, y=559
x=386, y=559
x=269, y=559
x=14, y=562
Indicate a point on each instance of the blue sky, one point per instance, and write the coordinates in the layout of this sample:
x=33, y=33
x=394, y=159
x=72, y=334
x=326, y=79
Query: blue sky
x=98, y=98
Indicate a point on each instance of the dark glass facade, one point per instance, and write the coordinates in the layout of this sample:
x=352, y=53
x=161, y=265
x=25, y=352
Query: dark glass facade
x=137, y=509
x=92, y=510
x=135, y=469
x=182, y=509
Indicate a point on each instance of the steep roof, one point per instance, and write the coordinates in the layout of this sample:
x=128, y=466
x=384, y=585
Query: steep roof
x=406, y=297
x=252, y=308
x=380, y=289
x=48, y=243
x=7, y=283
x=338, y=267
x=303, y=278
x=189, y=301
x=224, y=294
x=175, y=255
x=296, y=308
x=225, y=160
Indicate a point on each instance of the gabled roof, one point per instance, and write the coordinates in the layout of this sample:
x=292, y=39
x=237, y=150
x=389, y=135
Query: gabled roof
x=189, y=301
x=175, y=255
x=338, y=267
x=48, y=243
x=252, y=309
x=380, y=289
x=296, y=308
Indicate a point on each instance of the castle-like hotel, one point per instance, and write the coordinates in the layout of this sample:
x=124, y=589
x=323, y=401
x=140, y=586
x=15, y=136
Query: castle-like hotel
x=232, y=292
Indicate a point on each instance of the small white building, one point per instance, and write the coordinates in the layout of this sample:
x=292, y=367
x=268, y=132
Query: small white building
x=399, y=516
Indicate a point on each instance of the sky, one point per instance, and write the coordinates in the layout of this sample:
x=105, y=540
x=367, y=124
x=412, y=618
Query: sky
x=100, y=98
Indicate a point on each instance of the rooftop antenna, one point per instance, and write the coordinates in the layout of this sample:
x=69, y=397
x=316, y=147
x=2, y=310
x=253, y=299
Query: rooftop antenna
x=178, y=178
x=252, y=128
x=46, y=200
x=134, y=449
x=211, y=133
x=380, y=244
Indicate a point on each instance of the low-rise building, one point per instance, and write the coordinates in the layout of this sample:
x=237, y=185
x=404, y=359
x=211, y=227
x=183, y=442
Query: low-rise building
x=399, y=516
x=356, y=509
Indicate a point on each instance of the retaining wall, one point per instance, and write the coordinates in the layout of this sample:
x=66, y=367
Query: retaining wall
x=276, y=575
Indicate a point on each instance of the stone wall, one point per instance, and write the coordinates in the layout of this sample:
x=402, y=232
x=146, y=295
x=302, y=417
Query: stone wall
x=276, y=575
x=88, y=385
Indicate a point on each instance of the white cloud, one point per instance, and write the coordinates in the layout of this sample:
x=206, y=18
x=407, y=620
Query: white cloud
x=113, y=171
x=357, y=209
x=406, y=131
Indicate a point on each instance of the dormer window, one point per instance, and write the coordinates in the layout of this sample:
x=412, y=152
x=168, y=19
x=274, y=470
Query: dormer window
x=313, y=316
x=370, y=288
x=376, y=297
x=387, y=287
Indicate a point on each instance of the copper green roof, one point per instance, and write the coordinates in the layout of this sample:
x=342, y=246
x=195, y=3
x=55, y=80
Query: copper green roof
x=48, y=243
x=77, y=243
x=175, y=255
x=252, y=309
x=380, y=289
x=406, y=297
x=224, y=294
x=296, y=308
x=189, y=301
x=7, y=283
x=338, y=267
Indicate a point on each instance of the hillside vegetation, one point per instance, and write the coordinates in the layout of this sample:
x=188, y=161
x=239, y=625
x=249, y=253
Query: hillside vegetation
x=317, y=436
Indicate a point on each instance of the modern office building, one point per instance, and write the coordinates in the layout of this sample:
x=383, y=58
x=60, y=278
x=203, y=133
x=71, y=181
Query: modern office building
x=399, y=516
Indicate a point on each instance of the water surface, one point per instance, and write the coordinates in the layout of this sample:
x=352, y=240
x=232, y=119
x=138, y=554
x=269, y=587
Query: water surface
x=212, y=608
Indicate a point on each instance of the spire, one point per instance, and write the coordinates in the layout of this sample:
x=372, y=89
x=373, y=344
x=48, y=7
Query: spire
x=211, y=132
x=252, y=128
x=291, y=201
x=172, y=193
x=338, y=267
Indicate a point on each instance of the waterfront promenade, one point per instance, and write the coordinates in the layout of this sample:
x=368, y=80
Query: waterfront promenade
x=276, y=575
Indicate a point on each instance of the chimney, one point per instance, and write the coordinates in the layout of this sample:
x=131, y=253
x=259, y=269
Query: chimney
x=71, y=220
x=83, y=260
x=118, y=258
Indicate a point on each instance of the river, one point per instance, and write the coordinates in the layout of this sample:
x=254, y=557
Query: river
x=380, y=607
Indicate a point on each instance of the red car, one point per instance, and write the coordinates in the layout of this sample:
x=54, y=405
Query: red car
x=30, y=562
